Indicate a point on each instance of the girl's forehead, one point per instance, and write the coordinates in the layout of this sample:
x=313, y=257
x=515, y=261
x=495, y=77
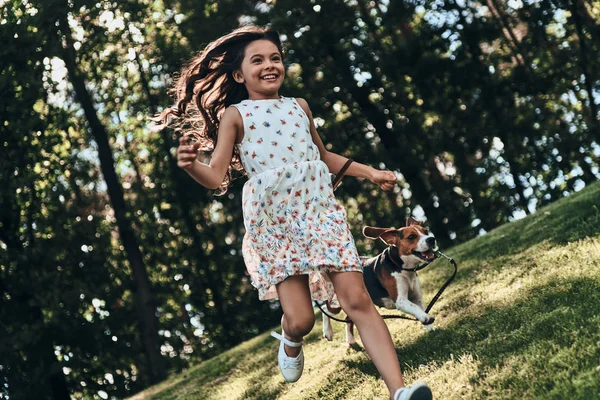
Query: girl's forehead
x=260, y=47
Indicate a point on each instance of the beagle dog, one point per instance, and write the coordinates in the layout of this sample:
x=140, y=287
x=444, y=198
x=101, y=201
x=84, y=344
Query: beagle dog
x=391, y=277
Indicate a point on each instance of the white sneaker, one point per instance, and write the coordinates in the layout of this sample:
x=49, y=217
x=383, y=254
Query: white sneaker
x=291, y=367
x=418, y=391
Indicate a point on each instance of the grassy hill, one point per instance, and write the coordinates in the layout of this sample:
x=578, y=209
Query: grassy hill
x=521, y=321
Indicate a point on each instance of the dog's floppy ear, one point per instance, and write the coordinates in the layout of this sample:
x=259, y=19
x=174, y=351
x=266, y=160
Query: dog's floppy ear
x=411, y=221
x=385, y=234
x=372, y=232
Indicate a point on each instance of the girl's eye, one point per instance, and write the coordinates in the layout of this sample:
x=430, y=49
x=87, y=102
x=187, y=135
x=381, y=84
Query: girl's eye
x=256, y=60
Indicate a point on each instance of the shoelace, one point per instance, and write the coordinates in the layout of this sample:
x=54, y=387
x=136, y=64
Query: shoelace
x=291, y=363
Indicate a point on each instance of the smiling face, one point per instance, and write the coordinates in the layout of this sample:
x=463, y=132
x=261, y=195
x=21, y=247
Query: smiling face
x=416, y=245
x=416, y=241
x=262, y=70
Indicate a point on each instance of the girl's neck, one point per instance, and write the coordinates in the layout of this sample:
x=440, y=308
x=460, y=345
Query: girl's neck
x=256, y=96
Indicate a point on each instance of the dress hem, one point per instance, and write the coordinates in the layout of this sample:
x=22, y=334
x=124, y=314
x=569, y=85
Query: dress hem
x=268, y=291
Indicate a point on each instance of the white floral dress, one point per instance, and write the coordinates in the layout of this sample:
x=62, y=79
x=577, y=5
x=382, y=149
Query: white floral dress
x=293, y=223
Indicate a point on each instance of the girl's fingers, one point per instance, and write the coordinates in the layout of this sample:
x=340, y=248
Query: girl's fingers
x=186, y=139
x=387, y=185
x=187, y=158
x=191, y=150
x=186, y=153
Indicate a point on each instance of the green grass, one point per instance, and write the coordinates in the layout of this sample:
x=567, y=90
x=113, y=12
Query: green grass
x=520, y=321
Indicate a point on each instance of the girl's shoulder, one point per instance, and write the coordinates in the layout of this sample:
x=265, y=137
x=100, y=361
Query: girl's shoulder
x=304, y=104
x=231, y=116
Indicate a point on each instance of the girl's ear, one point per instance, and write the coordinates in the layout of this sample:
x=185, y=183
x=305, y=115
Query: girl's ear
x=238, y=77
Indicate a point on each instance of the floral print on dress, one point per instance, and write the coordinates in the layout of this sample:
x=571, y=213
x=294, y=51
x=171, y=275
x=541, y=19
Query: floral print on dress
x=294, y=225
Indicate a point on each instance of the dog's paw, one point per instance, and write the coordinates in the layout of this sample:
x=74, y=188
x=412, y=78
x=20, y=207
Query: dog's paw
x=427, y=319
x=429, y=327
x=328, y=334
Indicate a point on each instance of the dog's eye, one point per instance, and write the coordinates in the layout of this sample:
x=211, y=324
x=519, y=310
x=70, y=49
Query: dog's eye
x=412, y=237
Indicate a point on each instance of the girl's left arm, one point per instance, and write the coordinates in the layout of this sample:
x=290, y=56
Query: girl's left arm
x=384, y=179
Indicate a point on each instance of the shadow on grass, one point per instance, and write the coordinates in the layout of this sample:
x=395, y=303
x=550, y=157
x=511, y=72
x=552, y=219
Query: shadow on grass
x=553, y=330
x=552, y=320
x=218, y=369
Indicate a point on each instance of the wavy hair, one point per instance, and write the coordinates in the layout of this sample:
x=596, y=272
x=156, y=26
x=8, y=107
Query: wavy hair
x=205, y=88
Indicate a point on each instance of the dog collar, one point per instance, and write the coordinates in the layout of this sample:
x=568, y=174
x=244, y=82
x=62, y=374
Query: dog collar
x=397, y=261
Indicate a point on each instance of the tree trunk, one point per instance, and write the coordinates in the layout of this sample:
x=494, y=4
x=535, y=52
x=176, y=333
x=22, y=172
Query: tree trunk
x=587, y=19
x=215, y=280
x=584, y=64
x=511, y=38
x=398, y=150
x=144, y=299
x=42, y=351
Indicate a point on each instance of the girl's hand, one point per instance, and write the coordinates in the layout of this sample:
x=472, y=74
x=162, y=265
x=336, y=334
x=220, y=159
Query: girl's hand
x=186, y=154
x=386, y=180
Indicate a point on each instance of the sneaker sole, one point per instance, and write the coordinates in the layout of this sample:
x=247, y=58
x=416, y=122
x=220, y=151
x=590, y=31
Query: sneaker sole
x=421, y=393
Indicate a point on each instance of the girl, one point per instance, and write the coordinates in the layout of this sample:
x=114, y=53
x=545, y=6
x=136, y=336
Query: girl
x=297, y=245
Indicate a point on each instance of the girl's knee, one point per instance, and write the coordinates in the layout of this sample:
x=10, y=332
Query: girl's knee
x=358, y=301
x=299, y=325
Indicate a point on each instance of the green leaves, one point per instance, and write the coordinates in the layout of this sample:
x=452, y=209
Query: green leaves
x=484, y=113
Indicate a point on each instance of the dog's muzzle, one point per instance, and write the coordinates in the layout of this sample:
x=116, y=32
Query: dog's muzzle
x=429, y=255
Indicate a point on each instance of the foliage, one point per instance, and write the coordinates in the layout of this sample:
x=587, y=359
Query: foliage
x=110, y=256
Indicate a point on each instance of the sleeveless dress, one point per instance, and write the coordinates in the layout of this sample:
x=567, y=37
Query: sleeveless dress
x=294, y=225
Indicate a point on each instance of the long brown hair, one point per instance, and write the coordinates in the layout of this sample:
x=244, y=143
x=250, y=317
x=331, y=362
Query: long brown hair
x=205, y=88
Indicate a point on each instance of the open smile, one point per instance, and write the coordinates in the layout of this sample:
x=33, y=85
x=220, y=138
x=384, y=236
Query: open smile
x=269, y=78
x=427, y=256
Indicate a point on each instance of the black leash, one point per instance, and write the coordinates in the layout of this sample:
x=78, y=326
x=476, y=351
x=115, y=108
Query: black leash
x=431, y=303
x=338, y=178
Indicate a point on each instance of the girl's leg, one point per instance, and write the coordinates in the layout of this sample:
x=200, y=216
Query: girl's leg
x=356, y=302
x=298, y=315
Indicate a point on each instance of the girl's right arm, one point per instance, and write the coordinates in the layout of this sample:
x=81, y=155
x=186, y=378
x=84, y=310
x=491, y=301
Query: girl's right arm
x=211, y=175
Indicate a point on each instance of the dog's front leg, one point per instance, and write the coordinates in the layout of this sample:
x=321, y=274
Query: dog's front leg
x=409, y=307
x=417, y=298
x=404, y=304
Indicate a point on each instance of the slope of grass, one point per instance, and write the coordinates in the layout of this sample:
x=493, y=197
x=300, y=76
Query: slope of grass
x=520, y=321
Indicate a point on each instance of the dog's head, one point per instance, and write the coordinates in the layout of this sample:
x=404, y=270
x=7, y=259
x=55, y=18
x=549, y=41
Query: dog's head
x=414, y=242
